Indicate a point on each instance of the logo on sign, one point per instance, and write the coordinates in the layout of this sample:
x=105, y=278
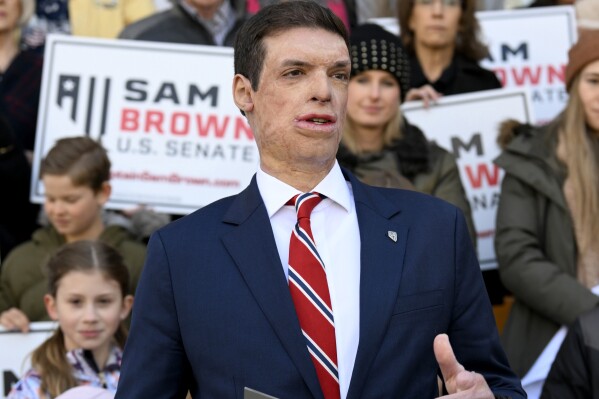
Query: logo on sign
x=68, y=98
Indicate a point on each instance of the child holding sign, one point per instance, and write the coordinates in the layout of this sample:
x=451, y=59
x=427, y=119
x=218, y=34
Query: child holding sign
x=88, y=295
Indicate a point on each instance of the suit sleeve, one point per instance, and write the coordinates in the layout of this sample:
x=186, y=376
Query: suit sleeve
x=525, y=270
x=154, y=361
x=472, y=333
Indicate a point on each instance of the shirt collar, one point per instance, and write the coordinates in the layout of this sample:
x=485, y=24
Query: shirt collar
x=276, y=193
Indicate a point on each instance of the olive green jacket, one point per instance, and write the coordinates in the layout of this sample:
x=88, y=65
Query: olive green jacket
x=443, y=181
x=535, y=245
x=22, y=280
x=427, y=167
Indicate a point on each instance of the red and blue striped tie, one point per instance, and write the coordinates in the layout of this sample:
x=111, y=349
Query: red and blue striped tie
x=310, y=294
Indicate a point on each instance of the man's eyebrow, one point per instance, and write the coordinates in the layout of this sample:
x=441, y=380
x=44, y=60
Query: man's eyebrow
x=342, y=64
x=300, y=63
x=293, y=62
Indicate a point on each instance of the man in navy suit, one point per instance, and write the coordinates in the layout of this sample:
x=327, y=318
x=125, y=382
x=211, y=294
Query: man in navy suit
x=213, y=313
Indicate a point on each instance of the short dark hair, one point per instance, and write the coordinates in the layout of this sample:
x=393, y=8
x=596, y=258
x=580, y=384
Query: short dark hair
x=83, y=159
x=468, y=43
x=249, y=46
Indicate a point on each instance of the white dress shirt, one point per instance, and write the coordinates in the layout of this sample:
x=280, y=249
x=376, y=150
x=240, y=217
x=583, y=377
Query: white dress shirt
x=337, y=236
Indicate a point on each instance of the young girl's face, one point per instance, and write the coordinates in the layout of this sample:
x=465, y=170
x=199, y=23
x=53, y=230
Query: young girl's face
x=89, y=308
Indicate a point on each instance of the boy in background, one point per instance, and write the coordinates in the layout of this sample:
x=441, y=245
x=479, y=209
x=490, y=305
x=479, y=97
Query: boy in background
x=76, y=174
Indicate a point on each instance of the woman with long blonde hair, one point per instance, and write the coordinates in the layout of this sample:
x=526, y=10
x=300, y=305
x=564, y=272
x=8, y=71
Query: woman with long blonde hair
x=547, y=233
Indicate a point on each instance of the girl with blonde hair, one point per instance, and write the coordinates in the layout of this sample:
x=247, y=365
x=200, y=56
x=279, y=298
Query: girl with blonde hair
x=547, y=222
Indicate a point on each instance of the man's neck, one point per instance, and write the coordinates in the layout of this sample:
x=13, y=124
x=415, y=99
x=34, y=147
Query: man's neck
x=433, y=61
x=302, y=179
x=205, y=12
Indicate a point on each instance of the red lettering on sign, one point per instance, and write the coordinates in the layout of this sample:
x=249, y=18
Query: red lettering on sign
x=211, y=125
x=527, y=76
x=129, y=120
x=183, y=124
x=154, y=119
x=482, y=173
x=180, y=124
x=558, y=74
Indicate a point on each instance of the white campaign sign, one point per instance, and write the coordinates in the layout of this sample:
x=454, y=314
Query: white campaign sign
x=15, y=350
x=467, y=125
x=164, y=112
x=529, y=50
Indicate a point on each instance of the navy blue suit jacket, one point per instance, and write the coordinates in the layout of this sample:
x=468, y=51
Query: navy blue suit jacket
x=213, y=313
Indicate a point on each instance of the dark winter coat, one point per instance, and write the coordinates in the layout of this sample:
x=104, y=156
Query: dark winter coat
x=430, y=169
x=461, y=76
x=535, y=244
x=575, y=371
x=175, y=25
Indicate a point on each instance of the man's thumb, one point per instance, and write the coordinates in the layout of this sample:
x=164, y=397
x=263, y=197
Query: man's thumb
x=445, y=358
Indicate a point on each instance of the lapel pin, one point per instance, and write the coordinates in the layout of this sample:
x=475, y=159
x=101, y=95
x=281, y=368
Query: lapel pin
x=392, y=235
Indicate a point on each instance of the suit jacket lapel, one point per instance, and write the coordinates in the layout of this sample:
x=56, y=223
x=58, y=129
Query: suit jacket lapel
x=381, y=265
x=252, y=247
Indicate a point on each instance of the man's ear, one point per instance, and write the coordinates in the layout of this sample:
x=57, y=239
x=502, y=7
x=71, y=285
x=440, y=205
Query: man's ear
x=242, y=93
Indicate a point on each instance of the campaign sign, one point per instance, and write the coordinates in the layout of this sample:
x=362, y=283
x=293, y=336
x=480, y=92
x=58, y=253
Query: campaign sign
x=164, y=112
x=467, y=126
x=528, y=49
x=16, y=351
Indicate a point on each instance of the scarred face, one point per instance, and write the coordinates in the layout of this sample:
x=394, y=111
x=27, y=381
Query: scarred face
x=298, y=110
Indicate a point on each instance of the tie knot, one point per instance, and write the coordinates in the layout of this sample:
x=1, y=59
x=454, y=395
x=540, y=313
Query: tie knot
x=305, y=203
